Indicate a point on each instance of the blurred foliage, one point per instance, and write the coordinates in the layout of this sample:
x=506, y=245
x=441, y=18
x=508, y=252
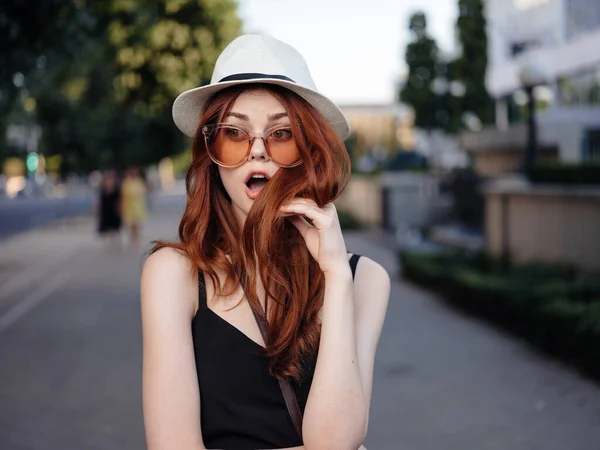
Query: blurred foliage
x=553, y=306
x=100, y=76
x=471, y=66
x=348, y=221
x=181, y=163
x=27, y=39
x=421, y=57
x=442, y=92
x=558, y=173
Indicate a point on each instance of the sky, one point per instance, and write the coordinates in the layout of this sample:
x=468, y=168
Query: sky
x=354, y=48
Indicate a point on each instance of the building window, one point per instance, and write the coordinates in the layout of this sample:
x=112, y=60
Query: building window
x=583, y=16
x=581, y=89
x=516, y=48
x=592, y=145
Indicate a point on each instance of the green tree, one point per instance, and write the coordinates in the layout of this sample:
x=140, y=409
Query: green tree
x=161, y=49
x=421, y=57
x=29, y=31
x=470, y=68
x=103, y=92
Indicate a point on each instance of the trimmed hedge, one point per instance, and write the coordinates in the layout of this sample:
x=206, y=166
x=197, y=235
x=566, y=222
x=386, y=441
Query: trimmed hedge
x=348, y=221
x=587, y=173
x=553, y=307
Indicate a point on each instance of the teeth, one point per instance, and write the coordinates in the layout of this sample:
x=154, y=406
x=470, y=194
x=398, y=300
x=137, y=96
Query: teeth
x=258, y=176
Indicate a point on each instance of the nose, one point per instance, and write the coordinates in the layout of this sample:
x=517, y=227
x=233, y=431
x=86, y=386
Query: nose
x=258, y=150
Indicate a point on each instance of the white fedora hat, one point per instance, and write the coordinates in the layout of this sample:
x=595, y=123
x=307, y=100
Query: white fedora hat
x=257, y=59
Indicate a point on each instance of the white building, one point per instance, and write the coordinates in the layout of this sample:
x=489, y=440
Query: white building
x=562, y=38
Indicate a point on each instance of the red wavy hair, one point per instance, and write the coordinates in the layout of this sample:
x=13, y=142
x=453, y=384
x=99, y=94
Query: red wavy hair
x=267, y=245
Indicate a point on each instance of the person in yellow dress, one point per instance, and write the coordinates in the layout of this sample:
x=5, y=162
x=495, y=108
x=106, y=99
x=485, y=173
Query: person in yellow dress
x=134, y=207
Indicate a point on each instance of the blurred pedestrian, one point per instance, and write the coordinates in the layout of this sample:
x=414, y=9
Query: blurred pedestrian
x=109, y=208
x=134, y=203
x=259, y=328
x=151, y=188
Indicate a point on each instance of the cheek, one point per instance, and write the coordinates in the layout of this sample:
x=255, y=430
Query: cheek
x=229, y=180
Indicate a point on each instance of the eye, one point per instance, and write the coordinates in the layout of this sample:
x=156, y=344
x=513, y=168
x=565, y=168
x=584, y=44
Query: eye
x=282, y=134
x=234, y=133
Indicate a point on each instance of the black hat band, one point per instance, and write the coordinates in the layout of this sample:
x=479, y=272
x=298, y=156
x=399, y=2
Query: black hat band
x=253, y=76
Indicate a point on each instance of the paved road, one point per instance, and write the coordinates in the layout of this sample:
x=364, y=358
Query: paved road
x=20, y=214
x=71, y=363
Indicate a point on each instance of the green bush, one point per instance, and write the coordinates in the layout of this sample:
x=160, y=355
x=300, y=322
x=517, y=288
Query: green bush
x=348, y=221
x=580, y=289
x=543, y=271
x=552, y=306
x=587, y=173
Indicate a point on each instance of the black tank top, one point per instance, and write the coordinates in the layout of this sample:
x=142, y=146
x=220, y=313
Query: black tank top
x=241, y=404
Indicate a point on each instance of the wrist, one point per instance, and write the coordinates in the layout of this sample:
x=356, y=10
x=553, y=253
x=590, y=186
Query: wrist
x=341, y=274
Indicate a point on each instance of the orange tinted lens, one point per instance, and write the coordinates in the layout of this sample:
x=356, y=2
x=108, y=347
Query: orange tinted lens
x=229, y=145
x=283, y=148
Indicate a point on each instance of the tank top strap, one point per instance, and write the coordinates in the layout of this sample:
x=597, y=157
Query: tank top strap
x=353, y=263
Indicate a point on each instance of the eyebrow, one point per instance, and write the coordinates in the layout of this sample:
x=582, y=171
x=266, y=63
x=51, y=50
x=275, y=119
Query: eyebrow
x=271, y=117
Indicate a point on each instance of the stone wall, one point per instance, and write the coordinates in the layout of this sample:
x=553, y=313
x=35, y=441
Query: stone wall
x=393, y=200
x=544, y=223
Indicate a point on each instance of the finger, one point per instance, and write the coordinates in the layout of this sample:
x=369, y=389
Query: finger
x=303, y=203
x=317, y=217
x=328, y=208
x=302, y=200
x=301, y=225
x=300, y=208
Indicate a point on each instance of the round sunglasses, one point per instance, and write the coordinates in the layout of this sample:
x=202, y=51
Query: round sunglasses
x=229, y=145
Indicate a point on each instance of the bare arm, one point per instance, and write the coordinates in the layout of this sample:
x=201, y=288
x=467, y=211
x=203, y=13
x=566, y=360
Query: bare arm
x=335, y=413
x=371, y=297
x=171, y=398
x=337, y=410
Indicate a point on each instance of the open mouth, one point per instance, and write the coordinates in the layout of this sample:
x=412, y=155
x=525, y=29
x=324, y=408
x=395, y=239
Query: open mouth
x=256, y=181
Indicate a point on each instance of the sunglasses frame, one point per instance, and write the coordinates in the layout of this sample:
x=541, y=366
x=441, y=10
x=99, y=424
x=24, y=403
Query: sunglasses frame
x=207, y=130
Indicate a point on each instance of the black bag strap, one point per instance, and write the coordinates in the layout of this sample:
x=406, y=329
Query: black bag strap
x=291, y=401
x=289, y=395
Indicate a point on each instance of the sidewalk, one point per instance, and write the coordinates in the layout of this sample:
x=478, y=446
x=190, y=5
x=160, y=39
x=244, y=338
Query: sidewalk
x=442, y=380
x=32, y=262
x=448, y=381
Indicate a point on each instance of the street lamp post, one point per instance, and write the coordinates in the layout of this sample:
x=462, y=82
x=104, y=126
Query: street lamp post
x=532, y=134
x=531, y=76
x=440, y=88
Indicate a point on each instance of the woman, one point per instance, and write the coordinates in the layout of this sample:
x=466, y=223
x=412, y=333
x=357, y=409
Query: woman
x=261, y=249
x=109, y=208
x=134, y=208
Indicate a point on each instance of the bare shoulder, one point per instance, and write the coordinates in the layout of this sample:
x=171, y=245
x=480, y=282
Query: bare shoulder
x=371, y=288
x=169, y=281
x=168, y=259
x=371, y=274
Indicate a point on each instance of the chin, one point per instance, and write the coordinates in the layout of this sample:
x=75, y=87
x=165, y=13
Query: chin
x=242, y=209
